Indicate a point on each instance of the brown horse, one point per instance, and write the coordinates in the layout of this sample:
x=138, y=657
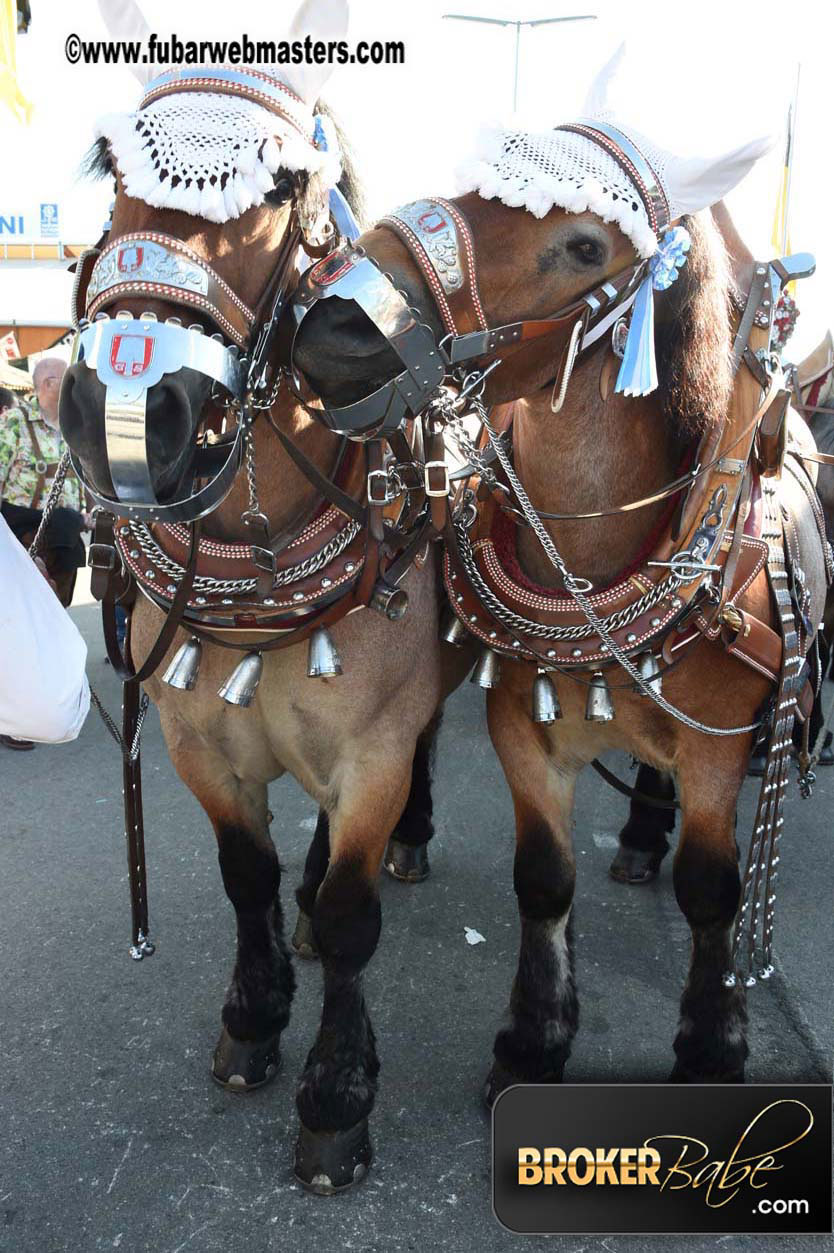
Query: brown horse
x=350, y=741
x=599, y=450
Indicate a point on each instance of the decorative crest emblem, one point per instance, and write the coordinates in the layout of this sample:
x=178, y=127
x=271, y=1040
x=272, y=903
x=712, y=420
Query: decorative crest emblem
x=130, y=355
x=130, y=259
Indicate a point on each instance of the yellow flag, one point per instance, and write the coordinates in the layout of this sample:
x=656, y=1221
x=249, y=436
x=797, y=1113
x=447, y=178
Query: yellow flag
x=10, y=92
x=780, y=238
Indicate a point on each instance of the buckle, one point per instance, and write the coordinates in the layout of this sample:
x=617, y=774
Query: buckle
x=381, y=478
x=431, y=470
x=101, y=557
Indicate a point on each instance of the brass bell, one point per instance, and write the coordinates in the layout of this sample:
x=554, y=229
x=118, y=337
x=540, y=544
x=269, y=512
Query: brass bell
x=389, y=600
x=546, y=707
x=239, y=688
x=600, y=707
x=648, y=668
x=323, y=660
x=487, y=672
x=185, y=666
x=453, y=631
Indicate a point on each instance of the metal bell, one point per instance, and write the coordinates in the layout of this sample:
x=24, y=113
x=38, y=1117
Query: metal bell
x=648, y=667
x=453, y=631
x=239, y=688
x=389, y=600
x=546, y=707
x=487, y=673
x=185, y=666
x=600, y=707
x=323, y=661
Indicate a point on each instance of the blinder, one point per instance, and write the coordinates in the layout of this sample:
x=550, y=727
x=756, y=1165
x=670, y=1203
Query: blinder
x=351, y=275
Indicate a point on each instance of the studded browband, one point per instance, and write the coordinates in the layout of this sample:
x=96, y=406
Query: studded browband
x=158, y=266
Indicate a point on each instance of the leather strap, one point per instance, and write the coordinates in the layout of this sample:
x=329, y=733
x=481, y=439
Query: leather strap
x=122, y=663
x=43, y=475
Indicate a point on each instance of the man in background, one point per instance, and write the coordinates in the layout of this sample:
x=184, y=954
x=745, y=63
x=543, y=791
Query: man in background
x=31, y=445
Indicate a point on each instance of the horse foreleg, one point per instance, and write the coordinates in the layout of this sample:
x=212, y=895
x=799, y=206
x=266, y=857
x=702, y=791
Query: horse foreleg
x=534, y=1043
x=337, y=1089
x=643, y=839
x=711, y=1044
x=257, y=1005
x=315, y=868
x=406, y=857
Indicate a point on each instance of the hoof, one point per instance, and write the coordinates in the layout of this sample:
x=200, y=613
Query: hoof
x=302, y=939
x=634, y=865
x=407, y=862
x=757, y=765
x=327, y=1162
x=500, y=1078
x=826, y=757
x=243, y=1065
x=680, y=1074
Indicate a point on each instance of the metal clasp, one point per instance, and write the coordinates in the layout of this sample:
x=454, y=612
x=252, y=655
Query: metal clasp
x=387, y=494
x=439, y=467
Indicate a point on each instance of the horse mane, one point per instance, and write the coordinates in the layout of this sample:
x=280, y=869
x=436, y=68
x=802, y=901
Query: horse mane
x=694, y=338
x=96, y=164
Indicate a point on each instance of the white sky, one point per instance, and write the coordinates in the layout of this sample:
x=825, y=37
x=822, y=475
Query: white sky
x=702, y=78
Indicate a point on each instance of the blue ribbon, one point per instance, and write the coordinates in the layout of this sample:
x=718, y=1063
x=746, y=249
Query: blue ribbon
x=342, y=215
x=638, y=371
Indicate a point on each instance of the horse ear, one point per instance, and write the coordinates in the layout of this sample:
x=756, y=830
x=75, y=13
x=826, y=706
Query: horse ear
x=695, y=183
x=124, y=20
x=596, y=101
x=320, y=19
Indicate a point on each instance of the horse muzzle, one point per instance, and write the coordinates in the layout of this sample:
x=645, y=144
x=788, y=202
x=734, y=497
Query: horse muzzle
x=155, y=377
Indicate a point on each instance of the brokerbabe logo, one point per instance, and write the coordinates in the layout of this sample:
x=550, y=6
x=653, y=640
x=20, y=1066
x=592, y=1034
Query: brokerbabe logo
x=652, y=1158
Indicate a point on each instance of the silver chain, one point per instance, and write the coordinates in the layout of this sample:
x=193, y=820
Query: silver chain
x=573, y=586
x=130, y=754
x=622, y=617
x=51, y=503
x=204, y=583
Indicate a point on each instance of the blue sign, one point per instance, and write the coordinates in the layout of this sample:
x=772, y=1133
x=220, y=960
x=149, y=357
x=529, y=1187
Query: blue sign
x=49, y=221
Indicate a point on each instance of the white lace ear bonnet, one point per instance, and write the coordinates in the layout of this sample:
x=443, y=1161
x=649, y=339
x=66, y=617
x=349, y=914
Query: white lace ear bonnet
x=603, y=165
x=210, y=142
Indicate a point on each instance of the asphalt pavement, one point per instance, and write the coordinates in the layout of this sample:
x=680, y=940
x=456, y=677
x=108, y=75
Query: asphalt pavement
x=112, y=1135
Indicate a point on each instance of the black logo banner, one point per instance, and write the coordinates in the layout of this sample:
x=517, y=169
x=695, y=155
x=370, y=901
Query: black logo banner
x=683, y=1159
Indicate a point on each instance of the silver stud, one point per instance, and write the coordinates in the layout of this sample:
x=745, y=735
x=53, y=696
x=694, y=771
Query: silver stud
x=576, y=652
x=326, y=582
x=551, y=652
x=171, y=589
x=298, y=595
x=656, y=622
x=269, y=601
x=631, y=638
x=200, y=600
x=150, y=574
x=227, y=601
x=350, y=566
x=134, y=552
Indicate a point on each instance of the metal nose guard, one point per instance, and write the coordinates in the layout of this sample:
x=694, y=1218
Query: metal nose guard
x=129, y=357
x=351, y=275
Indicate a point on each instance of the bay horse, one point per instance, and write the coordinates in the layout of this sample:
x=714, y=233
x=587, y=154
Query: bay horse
x=599, y=449
x=359, y=744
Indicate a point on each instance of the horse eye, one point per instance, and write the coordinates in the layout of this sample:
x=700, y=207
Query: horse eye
x=282, y=191
x=587, y=250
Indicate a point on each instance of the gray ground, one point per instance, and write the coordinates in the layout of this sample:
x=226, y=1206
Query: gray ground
x=113, y=1137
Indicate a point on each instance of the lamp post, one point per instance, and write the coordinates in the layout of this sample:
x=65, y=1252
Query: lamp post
x=510, y=21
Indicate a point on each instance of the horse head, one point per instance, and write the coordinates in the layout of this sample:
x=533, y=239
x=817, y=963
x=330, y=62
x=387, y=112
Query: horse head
x=219, y=176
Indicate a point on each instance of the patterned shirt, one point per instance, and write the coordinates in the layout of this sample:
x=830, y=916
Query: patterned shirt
x=19, y=463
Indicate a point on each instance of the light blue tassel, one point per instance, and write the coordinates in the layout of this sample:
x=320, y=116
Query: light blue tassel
x=638, y=371
x=342, y=215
